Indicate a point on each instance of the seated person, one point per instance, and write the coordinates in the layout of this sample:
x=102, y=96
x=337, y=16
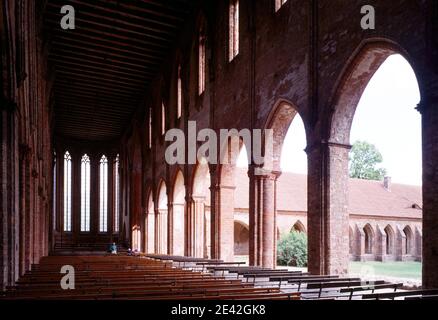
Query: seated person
x=113, y=248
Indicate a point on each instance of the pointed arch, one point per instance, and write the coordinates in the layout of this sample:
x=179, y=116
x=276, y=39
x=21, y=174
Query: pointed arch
x=409, y=240
x=351, y=84
x=279, y=121
x=390, y=237
x=299, y=227
x=178, y=193
x=369, y=239
x=85, y=193
x=67, y=192
x=241, y=238
x=162, y=221
x=150, y=234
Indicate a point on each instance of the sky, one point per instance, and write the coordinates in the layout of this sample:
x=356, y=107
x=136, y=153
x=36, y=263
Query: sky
x=385, y=117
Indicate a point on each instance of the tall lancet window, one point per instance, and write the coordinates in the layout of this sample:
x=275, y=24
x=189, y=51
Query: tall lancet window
x=201, y=64
x=279, y=4
x=234, y=29
x=85, y=193
x=116, y=194
x=67, y=192
x=103, y=194
x=179, y=94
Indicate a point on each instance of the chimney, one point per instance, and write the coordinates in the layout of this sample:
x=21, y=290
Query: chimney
x=387, y=183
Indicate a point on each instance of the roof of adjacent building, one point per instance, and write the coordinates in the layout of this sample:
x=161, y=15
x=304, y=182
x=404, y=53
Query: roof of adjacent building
x=365, y=197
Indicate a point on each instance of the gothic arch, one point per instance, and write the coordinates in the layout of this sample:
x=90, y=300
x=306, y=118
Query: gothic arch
x=408, y=247
x=279, y=120
x=359, y=70
x=390, y=240
x=150, y=223
x=161, y=218
x=178, y=214
x=299, y=226
x=369, y=238
x=241, y=238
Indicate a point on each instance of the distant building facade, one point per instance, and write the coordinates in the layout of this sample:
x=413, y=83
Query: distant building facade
x=385, y=218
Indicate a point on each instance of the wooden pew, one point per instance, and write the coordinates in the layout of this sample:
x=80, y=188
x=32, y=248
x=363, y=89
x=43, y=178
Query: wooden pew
x=337, y=284
x=372, y=287
x=401, y=294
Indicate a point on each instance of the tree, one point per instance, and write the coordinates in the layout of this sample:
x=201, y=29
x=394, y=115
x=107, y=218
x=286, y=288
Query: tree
x=364, y=161
x=292, y=249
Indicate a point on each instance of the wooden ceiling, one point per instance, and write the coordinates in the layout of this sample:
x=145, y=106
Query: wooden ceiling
x=104, y=66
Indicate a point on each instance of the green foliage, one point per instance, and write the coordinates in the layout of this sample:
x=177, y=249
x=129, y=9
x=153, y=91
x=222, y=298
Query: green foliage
x=292, y=249
x=364, y=161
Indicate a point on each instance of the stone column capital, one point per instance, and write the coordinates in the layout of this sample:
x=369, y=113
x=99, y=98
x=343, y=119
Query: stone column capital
x=255, y=172
x=318, y=145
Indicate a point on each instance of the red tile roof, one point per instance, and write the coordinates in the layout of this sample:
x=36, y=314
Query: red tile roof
x=365, y=197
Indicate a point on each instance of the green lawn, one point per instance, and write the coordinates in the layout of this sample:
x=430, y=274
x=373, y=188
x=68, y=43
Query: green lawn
x=409, y=270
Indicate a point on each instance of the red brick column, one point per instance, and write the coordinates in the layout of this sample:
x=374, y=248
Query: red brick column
x=157, y=229
x=262, y=218
x=198, y=226
x=328, y=208
x=429, y=111
x=222, y=215
x=170, y=243
x=188, y=250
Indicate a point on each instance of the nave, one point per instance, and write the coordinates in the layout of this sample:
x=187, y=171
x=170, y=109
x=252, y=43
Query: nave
x=166, y=277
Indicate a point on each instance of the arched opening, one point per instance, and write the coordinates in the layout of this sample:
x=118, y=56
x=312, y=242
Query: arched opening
x=299, y=227
x=374, y=112
x=408, y=245
x=389, y=232
x=241, y=203
x=150, y=222
x=161, y=225
x=179, y=193
x=289, y=158
x=241, y=239
x=368, y=239
x=199, y=224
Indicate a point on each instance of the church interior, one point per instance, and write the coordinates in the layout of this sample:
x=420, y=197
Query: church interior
x=107, y=191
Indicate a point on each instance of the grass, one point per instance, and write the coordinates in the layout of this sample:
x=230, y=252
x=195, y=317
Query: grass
x=408, y=270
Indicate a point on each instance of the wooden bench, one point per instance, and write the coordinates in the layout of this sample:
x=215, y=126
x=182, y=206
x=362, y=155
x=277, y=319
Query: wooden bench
x=338, y=283
x=401, y=294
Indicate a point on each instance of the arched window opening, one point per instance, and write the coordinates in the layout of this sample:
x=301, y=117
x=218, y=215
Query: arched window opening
x=179, y=94
x=298, y=227
x=241, y=239
x=233, y=29
x=368, y=239
x=103, y=194
x=116, y=175
x=279, y=4
x=150, y=225
x=201, y=64
x=408, y=240
x=178, y=215
x=85, y=193
x=389, y=240
x=200, y=226
x=67, y=192
x=161, y=232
